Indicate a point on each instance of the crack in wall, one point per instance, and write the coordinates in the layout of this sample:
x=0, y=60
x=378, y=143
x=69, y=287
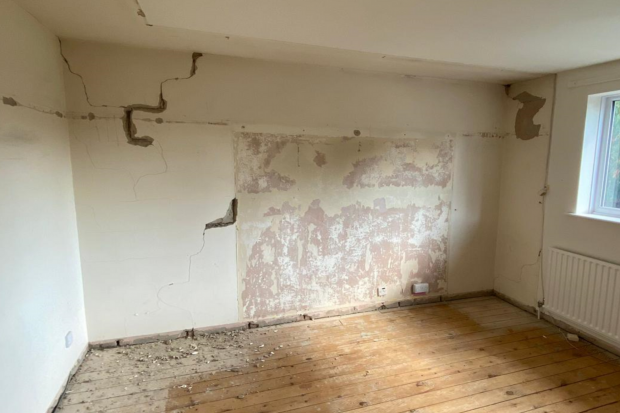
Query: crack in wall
x=10, y=101
x=229, y=219
x=129, y=126
x=135, y=181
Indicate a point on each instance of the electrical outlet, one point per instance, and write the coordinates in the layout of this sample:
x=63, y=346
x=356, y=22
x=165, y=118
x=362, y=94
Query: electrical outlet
x=382, y=291
x=421, y=288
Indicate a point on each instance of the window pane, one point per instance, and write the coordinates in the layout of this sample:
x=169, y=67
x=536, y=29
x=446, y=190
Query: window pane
x=611, y=194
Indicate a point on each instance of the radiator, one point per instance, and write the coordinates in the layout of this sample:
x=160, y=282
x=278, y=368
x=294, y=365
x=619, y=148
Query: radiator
x=584, y=293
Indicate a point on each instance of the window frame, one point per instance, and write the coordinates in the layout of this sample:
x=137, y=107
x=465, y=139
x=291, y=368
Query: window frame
x=601, y=158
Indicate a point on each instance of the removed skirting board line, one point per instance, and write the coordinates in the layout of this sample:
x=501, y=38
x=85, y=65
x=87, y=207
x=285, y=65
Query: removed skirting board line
x=311, y=315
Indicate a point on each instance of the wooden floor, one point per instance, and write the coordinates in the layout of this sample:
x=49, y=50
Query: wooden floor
x=478, y=355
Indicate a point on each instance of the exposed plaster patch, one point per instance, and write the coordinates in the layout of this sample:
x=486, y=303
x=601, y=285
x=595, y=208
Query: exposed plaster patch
x=9, y=101
x=319, y=159
x=229, y=219
x=357, y=132
x=525, y=128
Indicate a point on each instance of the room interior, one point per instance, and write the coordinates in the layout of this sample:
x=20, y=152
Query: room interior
x=279, y=206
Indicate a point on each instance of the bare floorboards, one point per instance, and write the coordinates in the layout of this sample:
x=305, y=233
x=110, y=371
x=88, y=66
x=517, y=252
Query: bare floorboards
x=476, y=355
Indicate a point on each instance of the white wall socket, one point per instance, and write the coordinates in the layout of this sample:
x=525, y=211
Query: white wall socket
x=421, y=288
x=382, y=291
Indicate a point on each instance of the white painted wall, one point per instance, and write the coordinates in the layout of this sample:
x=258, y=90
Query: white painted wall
x=597, y=239
x=41, y=296
x=524, y=162
x=135, y=244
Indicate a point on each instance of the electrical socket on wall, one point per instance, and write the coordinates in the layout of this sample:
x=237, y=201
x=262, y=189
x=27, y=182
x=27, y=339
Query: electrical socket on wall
x=421, y=288
x=382, y=291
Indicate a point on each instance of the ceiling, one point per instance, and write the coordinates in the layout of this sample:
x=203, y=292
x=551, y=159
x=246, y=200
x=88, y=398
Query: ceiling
x=498, y=41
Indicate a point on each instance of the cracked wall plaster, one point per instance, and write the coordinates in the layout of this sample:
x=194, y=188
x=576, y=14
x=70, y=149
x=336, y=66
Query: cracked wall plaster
x=10, y=101
x=129, y=126
x=229, y=219
x=143, y=213
x=142, y=220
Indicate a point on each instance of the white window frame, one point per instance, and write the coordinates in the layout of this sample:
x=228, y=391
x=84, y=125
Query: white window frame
x=601, y=158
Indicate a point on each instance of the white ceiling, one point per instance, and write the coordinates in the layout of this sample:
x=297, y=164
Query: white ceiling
x=490, y=40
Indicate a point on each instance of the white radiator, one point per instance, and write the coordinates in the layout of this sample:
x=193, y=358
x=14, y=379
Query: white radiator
x=584, y=293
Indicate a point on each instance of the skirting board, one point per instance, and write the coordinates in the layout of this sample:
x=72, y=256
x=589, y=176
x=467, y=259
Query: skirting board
x=561, y=324
x=62, y=390
x=311, y=315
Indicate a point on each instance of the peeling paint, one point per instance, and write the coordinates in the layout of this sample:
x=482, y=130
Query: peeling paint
x=525, y=128
x=400, y=166
x=314, y=259
x=316, y=234
x=257, y=152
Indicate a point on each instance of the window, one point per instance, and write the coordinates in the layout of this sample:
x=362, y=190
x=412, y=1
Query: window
x=606, y=183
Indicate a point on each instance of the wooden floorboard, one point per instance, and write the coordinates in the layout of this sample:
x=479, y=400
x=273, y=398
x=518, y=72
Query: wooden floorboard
x=476, y=355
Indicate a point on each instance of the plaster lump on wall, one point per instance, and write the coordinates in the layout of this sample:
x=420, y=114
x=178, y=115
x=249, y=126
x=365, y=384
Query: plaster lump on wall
x=525, y=128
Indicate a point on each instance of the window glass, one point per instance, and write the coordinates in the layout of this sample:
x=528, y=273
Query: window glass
x=611, y=178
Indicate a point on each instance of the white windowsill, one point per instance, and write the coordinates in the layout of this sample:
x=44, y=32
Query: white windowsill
x=596, y=217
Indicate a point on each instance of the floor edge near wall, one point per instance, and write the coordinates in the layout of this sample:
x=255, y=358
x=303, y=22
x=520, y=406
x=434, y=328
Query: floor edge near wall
x=311, y=315
x=560, y=324
x=63, y=388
